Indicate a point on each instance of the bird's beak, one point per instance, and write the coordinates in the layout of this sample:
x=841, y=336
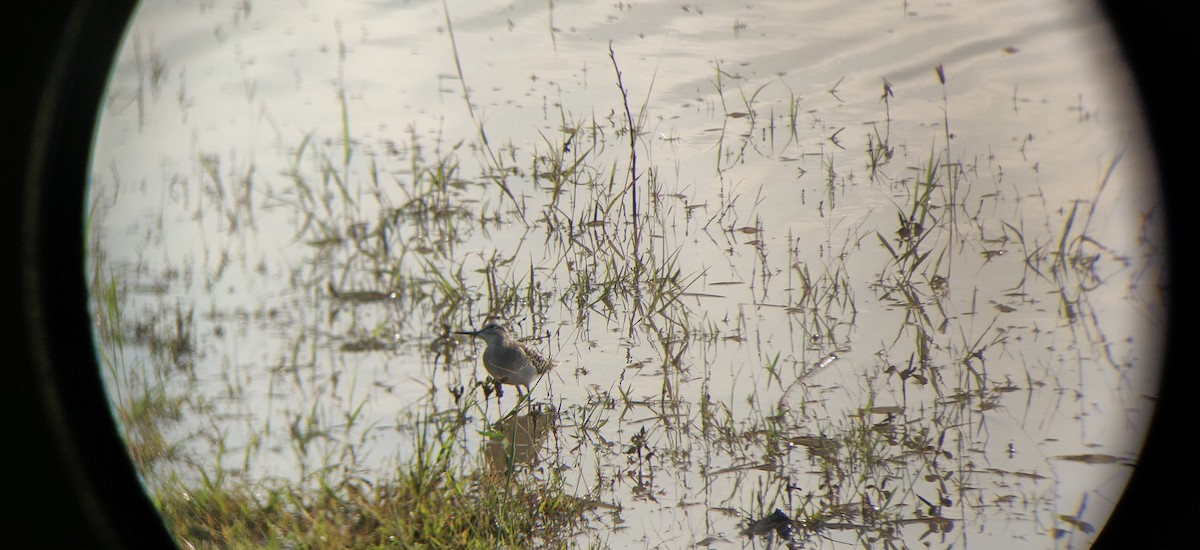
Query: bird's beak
x=469, y=333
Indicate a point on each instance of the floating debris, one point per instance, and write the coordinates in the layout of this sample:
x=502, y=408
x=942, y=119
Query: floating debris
x=777, y=522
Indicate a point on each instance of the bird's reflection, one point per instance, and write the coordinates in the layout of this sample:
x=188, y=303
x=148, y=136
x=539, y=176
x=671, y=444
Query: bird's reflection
x=517, y=439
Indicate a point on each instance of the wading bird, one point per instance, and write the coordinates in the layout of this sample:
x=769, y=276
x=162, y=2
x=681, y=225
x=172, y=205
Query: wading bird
x=508, y=360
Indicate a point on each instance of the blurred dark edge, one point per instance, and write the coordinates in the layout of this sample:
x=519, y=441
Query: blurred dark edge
x=69, y=478
x=1159, y=43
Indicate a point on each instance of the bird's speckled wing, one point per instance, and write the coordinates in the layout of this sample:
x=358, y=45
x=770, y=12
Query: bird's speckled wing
x=540, y=364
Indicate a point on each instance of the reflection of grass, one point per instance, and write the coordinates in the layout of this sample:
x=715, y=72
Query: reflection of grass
x=140, y=398
x=388, y=237
x=871, y=465
x=916, y=226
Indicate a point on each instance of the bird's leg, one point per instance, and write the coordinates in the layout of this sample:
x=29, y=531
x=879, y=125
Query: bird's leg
x=499, y=389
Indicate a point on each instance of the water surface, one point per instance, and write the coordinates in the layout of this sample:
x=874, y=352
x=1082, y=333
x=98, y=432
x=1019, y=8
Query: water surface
x=895, y=270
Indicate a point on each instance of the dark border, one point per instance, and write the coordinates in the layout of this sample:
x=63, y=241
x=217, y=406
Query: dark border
x=69, y=482
x=1158, y=41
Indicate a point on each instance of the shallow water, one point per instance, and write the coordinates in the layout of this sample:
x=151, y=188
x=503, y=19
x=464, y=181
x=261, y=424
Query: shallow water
x=254, y=193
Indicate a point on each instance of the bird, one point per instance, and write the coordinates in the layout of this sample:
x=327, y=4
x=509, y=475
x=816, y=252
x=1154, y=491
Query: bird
x=508, y=360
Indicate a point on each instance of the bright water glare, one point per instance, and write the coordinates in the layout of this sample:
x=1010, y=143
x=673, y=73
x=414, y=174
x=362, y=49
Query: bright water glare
x=888, y=274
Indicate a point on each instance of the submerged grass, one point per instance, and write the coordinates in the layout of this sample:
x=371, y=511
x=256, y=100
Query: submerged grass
x=389, y=237
x=434, y=500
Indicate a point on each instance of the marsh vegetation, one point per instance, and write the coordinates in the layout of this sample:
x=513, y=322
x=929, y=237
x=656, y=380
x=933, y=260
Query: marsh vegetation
x=790, y=309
